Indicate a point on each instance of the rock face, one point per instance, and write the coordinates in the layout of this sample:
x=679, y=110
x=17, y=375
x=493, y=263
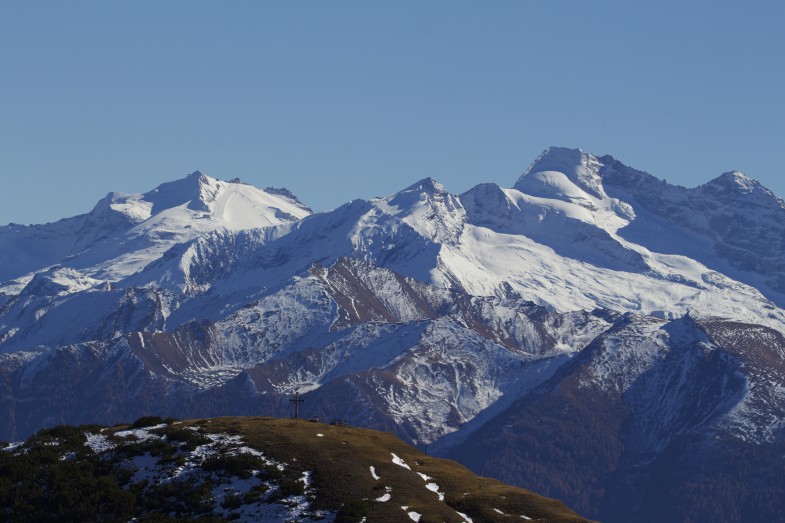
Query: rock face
x=732, y=223
x=592, y=333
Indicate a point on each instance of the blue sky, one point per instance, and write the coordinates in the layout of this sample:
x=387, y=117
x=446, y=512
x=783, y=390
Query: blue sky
x=343, y=100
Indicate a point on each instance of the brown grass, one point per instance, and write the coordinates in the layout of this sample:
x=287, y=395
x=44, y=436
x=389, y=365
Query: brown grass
x=340, y=464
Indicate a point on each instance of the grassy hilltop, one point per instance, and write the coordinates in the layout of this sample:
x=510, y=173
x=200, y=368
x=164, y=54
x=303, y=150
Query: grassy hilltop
x=248, y=469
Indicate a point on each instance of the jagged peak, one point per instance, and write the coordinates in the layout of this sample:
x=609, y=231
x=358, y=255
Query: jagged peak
x=286, y=193
x=425, y=190
x=735, y=179
x=428, y=208
x=735, y=175
x=738, y=183
x=616, y=173
x=198, y=175
x=428, y=186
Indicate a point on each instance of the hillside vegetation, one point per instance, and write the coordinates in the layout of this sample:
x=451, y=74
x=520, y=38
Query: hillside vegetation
x=248, y=469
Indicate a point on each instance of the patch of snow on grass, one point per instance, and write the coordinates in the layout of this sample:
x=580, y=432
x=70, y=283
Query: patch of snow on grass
x=306, y=479
x=433, y=487
x=147, y=469
x=386, y=496
x=142, y=434
x=373, y=473
x=13, y=446
x=227, y=488
x=398, y=461
x=319, y=435
x=466, y=518
x=98, y=442
x=415, y=516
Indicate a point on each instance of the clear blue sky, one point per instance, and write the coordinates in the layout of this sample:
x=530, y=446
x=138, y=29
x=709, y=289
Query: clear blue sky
x=342, y=100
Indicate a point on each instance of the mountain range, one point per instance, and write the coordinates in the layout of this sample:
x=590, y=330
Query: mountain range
x=593, y=333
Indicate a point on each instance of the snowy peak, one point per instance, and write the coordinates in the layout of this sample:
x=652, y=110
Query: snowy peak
x=426, y=186
x=428, y=192
x=125, y=232
x=732, y=187
x=737, y=186
x=731, y=224
x=564, y=174
x=573, y=177
x=120, y=207
x=235, y=204
x=196, y=190
x=428, y=208
x=736, y=179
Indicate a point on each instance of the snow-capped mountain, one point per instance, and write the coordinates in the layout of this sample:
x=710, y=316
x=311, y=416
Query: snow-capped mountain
x=125, y=232
x=649, y=314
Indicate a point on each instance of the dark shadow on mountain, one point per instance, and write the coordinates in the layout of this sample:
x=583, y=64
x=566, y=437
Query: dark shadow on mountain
x=650, y=454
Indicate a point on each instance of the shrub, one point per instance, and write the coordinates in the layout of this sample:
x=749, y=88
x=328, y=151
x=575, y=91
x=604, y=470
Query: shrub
x=190, y=438
x=256, y=493
x=287, y=487
x=156, y=447
x=269, y=473
x=232, y=501
x=181, y=497
x=353, y=511
x=240, y=465
x=37, y=486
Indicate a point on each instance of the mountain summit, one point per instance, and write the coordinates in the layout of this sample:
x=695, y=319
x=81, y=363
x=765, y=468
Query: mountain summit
x=124, y=232
x=557, y=165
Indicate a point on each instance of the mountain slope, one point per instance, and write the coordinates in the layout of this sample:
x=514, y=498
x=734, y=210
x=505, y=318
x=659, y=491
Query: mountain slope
x=731, y=224
x=311, y=334
x=648, y=422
